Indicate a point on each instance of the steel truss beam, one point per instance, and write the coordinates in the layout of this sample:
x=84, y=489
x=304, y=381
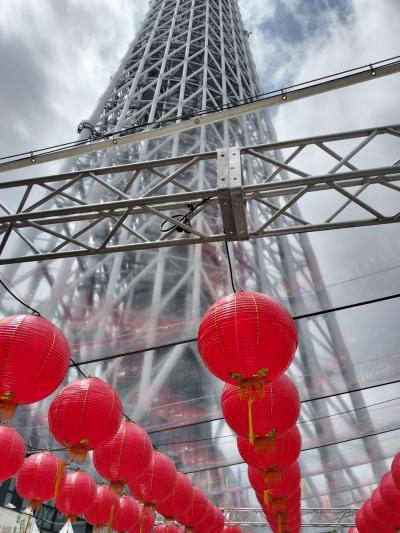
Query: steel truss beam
x=153, y=220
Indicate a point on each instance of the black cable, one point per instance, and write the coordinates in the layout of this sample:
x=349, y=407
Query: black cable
x=234, y=104
x=299, y=422
x=34, y=311
x=194, y=339
x=230, y=266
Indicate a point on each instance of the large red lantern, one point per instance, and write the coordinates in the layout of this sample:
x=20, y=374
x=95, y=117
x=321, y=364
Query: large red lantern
x=395, y=470
x=167, y=528
x=126, y=514
x=268, y=417
x=385, y=514
x=76, y=495
x=12, y=452
x=156, y=482
x=274, y=487
x=195, y=514
x=101, y=511
x=40, y=478
x=85, y=415
x=34, y=359
x=247, y=335
x=287, y=450
x=389, y=492
x=373, y=520
x=179, y=500
x=125, y=456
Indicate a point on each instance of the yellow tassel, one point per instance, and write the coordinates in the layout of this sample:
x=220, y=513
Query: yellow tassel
x=110, y=519
x=279, y=523
x=251, y=431
x=60, y=472
x=267, y=497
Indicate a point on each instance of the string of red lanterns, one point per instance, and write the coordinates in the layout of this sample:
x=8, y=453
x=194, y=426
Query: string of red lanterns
x=248, y=340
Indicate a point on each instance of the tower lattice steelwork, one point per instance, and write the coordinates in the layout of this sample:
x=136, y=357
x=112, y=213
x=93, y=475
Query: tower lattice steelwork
x=143, y=307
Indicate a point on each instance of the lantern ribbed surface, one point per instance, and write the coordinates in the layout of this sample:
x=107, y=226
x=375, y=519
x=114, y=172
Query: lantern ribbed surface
x=289, y=482
x=382, y=511
x=85, y=414
x=179, y=500
x=99, y=513
x=287, y=451
x=125, y=456
x=219, y=523
x=373, y=520
x=76, y=495
x=194, y=515
x=39, y=478
x=12, y=452
x=361, y=522
x=209, y=519
x=156, y=482
x=126, y=514
x=34, y=358
x=395, y=470
x=389, y=492
x=167, y=528
x=247, y=334
x=275, y=413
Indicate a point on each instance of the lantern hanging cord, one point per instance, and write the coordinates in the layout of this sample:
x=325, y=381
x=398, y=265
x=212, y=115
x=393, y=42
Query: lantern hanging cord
x=34, y=311
x=230, y=266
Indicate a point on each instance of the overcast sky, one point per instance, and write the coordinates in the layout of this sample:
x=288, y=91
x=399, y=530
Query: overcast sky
x=56, y=57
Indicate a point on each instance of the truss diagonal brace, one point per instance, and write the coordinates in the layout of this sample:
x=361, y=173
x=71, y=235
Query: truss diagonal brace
x=230, y=194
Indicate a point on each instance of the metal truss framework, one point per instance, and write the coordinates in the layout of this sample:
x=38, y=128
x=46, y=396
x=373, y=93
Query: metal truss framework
x=189, y=56
x=274, y=199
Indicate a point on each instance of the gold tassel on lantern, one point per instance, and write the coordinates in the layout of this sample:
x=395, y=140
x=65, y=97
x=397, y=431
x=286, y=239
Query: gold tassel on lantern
x=266, y=444
x=267, y=497
x=272, y=475
x=117, y=487
x=110, y=519
x=278, y=505
x=251, y=390
x=59, y=476
x=279, y=523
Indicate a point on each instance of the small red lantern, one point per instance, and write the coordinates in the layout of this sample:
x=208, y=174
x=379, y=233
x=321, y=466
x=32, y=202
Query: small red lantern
x=12, y=452
x=113, y=460
x=395, y=470
x=76, y=495
x=373, y=520
x=179, y=500
x=194, y=515
x=85, y=415
x=389, y=492
x=167, y=528
x=264, y=420
x=287, y=483
x=126, y=514
x=382, y=511
x=40, y=478
x=156, y=482
x=287, y=451
x=100, y=512
x=34, y=360
x=232, y=529
x=247, y=335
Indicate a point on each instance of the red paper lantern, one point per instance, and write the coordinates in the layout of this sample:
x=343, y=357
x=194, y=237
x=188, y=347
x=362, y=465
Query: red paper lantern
x=385, y=514
x=34, y=359
x=286, y=485
x=100, y=512
x=12, y=452
x=114, y=460
x=373, y=520
x=146, y=519
x=40, y=478
x=194, y=515
x=246, y=335
x=361, y=522
x=232, y=529
x=219, y=523
x=209, y=519
x=156, y=482
x=167, y=528
x=389, y=492
x=85, y=415
x=265, y=419
x=395, y=470
x=287, y=451
x=126, y=514
x=179, y=500
x=77, y=494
